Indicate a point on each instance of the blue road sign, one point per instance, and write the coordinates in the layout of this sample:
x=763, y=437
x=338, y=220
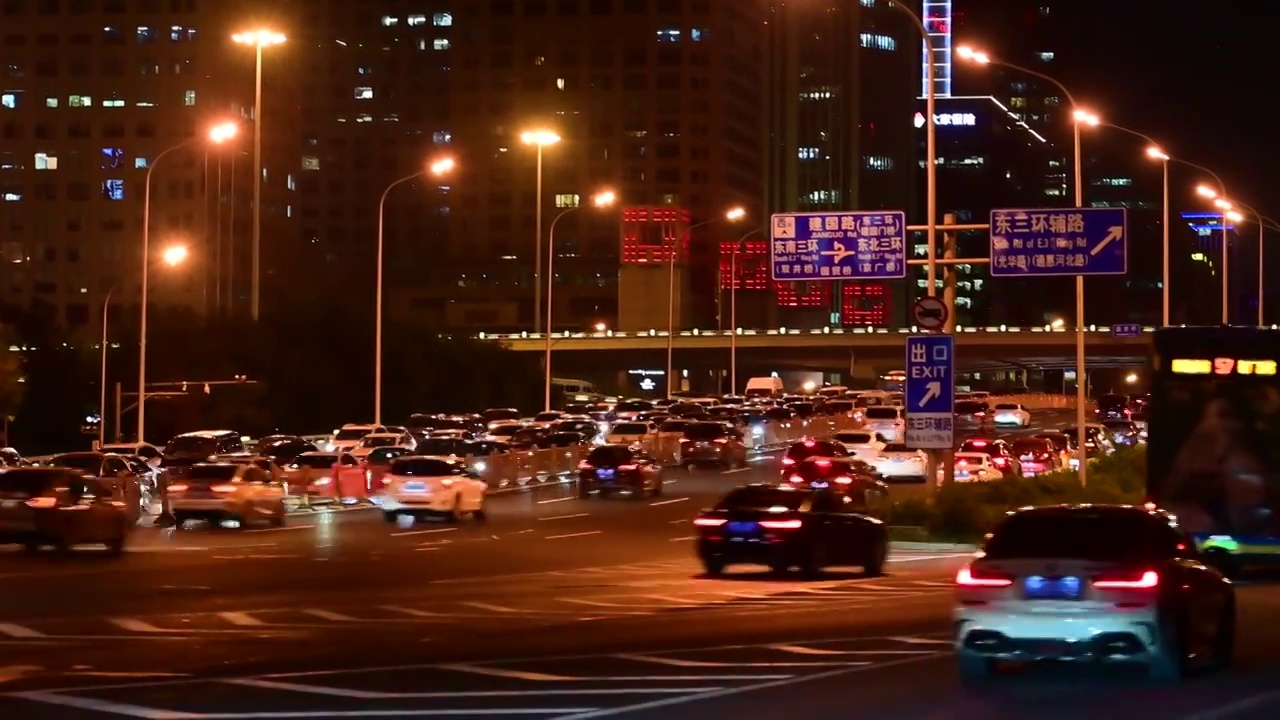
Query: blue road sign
x=930, y=391
x=807, y=247
x=1059, y=241
x=1126, y=330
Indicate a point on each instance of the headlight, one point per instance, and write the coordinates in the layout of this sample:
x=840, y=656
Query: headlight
x=481, y=466
x=757, y=430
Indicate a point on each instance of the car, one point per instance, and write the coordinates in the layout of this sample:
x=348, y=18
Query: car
x=1093, y=583
x=1112, y=407
x=219, y=492
x=712, y=443
x=842, y=475
x=547, y=418
x=115, y=473
x=1064, y=447
x=373, y=441
x=612, y=468
x=784, y=527
x=1097, y=439
x=36, y=505
x=348, y=437
x=148, y=452
x=418, y=486
x=630, y=432
x=862, y=444
x=811, y=447
x=899, y=463
x=973, y=415
x=629, y=410
x=378, y=463
x=190, y=448
x=503, y=430
x=1001, y=454
x=1011, y=415
x=1037, y=455
x=326, y=475
x=1124, y=433
x=282, y=449
x=976, y=467
x=887, y=420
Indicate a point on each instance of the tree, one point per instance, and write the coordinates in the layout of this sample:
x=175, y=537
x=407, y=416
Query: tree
x=11, y=387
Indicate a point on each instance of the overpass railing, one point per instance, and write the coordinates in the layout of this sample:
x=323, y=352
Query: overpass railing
x=828, y=330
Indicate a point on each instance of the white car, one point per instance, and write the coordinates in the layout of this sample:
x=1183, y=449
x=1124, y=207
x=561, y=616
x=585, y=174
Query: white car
x=1011, y=414
x=146, y=451
x=217, y=492
x=889, y=421
x=862, y=444
x=899, y=462
x=373, y=441
x=546, y=419
x=421, y=485
x=976, y=467
x=630, y=433
x=504, y=430
x=347, y=437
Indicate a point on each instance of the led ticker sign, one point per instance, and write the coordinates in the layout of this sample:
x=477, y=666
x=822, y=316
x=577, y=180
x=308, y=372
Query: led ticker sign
x=1222, y=366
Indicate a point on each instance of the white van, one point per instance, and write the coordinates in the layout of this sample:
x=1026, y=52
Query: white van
x=764, y=387
x=889, y=421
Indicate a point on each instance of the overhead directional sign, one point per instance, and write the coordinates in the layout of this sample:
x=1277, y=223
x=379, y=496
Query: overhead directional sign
x=1059, y=241
x=1126, y=330
x=930, y=391
x=807, y=247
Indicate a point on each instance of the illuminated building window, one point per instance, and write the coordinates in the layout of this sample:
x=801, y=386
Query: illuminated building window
x=878, y=42
x=877, y=162
x=668, y=35
x=9, y=100
x=808, y=153
x=146, y=34
x=113, y=102
x=390, y=21
x=51, y=101
x=416, y=20
x=80, y=101
x=112, y=158
x=113, y=189
x=189, y=98
x=803, y=295
x=140, y=163
x=863, y=305
x=46, y=161
x=567, y=201
x=442, y=137
x=1046, y=56
x=442, y=19
x=697, y=34
x=440, y=44
x=364, y=93
x=11, y=193
x=310, y=162
x=750, y=271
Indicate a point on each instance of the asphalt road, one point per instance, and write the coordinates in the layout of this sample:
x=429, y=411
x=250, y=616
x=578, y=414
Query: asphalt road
x=554, y=608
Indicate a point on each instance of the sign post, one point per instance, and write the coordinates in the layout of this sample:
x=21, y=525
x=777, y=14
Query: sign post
x=930, y=395
x=813, y=247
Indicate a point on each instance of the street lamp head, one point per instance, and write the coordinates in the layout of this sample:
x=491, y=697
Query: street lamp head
x=1057, y=323
x=443, y=166
x=604, y=198
x=1086, y=117
x=175, y=255
x=223, y=132
x=1131, y=378
x=735, y=214
x=1206, y=191
x=1235, y=217
x=965, y=52
x=1156, y=153
x=541, y=138
x=601, y=327
x=260, y=38
x=1222, y=204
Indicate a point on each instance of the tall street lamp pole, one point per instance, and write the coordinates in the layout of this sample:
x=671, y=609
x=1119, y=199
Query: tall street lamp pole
x=1228, y=206
x=437, y=168
x=1219, y=194
x=931, y=147
x=540, y=139
x=1155, y=152
x=602, y=199
x=219, y=134
x=258, y=39
x=733, y=215
x=733, y=311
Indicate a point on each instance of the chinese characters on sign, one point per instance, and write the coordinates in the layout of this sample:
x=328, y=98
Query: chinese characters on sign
x=956, y=119
x=930, y=391
x=1059, y=241
x=838, y=245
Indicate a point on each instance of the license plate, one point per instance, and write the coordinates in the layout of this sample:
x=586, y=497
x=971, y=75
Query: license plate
x=604, y=474
x=415, y=487
x=1042, y=588
x=743, y=527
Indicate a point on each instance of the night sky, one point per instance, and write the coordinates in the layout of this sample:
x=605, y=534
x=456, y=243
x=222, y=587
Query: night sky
x=1199, y=75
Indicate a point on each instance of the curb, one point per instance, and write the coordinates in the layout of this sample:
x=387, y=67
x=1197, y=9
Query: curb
x=932, y=547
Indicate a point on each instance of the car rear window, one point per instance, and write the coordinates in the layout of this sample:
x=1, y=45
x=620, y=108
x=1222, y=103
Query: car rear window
x=424, y=467
x=29, y=481
x=1006, y=406
x=630, y=429
x=212, y=472
x=1102, y=537
x=191, y=445
x=705, y=431
x=882, y=413
x=821, y=448
x=898, y=448
x=383, y=455
x=1030, y=446
x=966, y=407
x=673, y=426
x=762, y=498
x=854, y=438
x=609, y=455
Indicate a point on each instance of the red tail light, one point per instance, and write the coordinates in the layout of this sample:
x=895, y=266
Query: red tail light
x=809, y=443
x=722, y=441
x=999, y=462
x=788, y=461
x=796, y=479
x=1144, y=581
x=708, y=522
x=979, y=443
x=822, y=463
x=844, y=480
x=781, y=524
x=176, y=488
x=227, y=488
x=968, y=577
x=980, y=414
x=584, y=465
x=627, y=468
x=41, y=502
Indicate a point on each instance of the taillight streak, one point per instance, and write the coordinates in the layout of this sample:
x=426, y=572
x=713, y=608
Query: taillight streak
x=966, y=578
x=41, y=502
x=781, y=524
x=709, y=522
x=1147, y=580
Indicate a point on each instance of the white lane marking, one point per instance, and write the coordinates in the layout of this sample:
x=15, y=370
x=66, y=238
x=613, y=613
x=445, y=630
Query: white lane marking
x=671, y=702
x=157, y=549
x=730, y=472
x=1221, y=712
x=668, y=482
x=933, y=583
x=409, y=611
x=505, y=673
x=240, y=618
x=330, y=615
x=423, y=532
x=282, y=529
x=18, y=631
x=490, y=607
x=573, y=535
x=679, y=522
x=669, y=502
x=565, y=517
x=105, y=706
x=918, y=558
x=683, y=539
x=426, y=549
x=374, y=695
x=679, y=662
x=556, y=500
x=136, y=625
x=805, y=650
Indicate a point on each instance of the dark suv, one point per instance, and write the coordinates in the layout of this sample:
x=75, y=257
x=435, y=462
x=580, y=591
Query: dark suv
x=190, y=448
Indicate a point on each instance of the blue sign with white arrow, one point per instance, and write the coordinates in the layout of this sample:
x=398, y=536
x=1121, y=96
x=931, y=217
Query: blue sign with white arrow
x=930, y=391
x=1059, y=241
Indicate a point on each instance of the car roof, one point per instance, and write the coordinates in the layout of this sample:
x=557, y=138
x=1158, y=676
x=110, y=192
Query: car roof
x=1104, y=510
x=210, y=433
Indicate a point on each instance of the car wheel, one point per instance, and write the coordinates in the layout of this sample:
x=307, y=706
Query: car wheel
x=389, y=516
x=454, y=514
x=180, y=520
x=278, y=517
x=812, y=566
x=873, y=566
x=115, y=546
x=714, y=566
x=584, y=490
x=974, y=669
x=1224, y=646
x=1168, y=661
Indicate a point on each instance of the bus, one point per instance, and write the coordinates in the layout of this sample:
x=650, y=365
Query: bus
x=1213, y=433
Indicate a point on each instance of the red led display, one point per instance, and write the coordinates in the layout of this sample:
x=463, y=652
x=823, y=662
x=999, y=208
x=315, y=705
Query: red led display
x=752, y=266
x=649, y=234
x=864, y=305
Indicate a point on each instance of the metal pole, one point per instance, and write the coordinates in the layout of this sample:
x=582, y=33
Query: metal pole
x=949, y=327
x=217, y=247
x=1226, y=270
x=1261, y=236
x=733, y=319
x=671, y=313
x=1080, y=360
x=1164, y=289
x=204, y=221
x=931, y=148
x=551, y=281
x=102, y=377
x=377, y=320
x=119, y=412
x=537, y=261
x=255, y=300
x=231, y=241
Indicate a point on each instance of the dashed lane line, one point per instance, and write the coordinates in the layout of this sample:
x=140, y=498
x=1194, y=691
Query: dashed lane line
x=573, y=535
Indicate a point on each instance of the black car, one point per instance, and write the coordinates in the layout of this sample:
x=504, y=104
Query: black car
x=190, y=448
x=1112, y=407
x=783, y=527
x=614, y=468
x=282, y=449
x=848, y=476
x=1096, y=443
x=812, y=448
x=1124, y=433
x=973, y=415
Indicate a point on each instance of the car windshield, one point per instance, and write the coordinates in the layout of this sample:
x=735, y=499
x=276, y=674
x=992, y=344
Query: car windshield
x=29, y=481
x=674, y=426
x=547, y=416
x=316, y=462
x=424, y=467
x=212, y=472
x=440, y=446
x=633, y=406
x=1029, y=445
x=609, y=455
x=191, y=445
x=968, y=407
x=1102, y=536
x=351, y=433
x=382, y=456
x=763, y=498
x=630, y=429
x=84, y=462
x=882, y=413
x=854, y=438
x=705, y=431
x=898, y=448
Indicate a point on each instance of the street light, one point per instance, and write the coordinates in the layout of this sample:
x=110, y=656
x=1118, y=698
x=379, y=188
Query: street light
x=1263, y=221
x=174, y=255
x=1080, y=117
x=733, y=311
x=437, y=168
x=259, y=39
x=1058, y=323
x=601, y=327
x=539, y=138
x=732, y=215
x=602, y=199
x=1219, y=200
x=217, y=135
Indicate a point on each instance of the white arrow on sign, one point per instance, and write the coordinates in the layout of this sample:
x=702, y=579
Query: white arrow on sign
x=931, y=391
x=1115, y=233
